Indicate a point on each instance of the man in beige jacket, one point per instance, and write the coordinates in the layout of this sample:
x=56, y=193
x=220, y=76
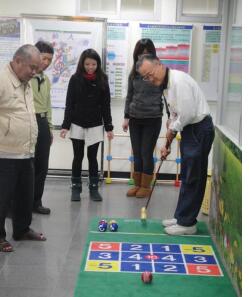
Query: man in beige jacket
x=18, y=134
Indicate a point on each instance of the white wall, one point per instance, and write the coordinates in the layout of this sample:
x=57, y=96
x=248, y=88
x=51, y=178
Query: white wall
x=54, y=7
x=61, y=150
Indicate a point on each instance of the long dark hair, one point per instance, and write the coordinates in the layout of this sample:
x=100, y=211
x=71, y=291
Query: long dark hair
x=90, y=53
x=141, y=45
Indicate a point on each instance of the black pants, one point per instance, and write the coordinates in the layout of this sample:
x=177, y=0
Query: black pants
x=144, y=134
x=78, y=149
x=41, y=158
x=196, y=142
x=16, y=185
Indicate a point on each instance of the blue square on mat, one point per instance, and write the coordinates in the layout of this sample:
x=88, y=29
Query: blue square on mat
x=104, y=256
x=200, y=259
x=166, y=248
x=136, y=247
x=168, y=258
x=170, y=268
x=132, y=257
x=135, y=267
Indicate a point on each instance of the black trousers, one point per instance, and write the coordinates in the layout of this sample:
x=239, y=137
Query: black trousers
x=78, y=150
x=196, y=142
x=143, y=135
x=16, y=185
x=41, y=158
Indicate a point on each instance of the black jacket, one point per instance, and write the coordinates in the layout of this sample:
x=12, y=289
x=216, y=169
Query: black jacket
x=87, y=104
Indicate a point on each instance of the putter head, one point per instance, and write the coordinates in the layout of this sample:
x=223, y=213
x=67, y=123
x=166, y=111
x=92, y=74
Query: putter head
x=143, y=215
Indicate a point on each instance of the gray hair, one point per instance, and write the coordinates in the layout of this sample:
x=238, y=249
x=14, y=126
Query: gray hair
x=26, y=51
x=147, y=57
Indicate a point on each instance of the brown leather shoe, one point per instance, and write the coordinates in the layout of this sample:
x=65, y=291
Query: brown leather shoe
x=145, y=189
x=143, y=193
x=137, y=180
x=132, y=192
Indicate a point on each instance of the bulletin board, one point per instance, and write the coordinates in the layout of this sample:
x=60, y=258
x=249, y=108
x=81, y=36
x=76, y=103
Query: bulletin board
x=235, y=65
x=70, y=37
x=10, y=39
x=172, y=43
x=211, y=37
x=117, y=58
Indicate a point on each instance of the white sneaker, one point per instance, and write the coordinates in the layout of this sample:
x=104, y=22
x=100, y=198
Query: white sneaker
x=170, y=222
x=180, y=230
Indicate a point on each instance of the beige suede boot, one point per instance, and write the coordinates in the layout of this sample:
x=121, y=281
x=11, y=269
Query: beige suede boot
x=137, y=179
x=145, y=188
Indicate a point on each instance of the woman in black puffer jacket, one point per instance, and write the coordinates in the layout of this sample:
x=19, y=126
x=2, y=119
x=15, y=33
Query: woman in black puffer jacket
x=87, y=111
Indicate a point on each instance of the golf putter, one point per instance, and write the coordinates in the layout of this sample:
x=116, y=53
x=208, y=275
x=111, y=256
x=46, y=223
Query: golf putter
x=144, y=209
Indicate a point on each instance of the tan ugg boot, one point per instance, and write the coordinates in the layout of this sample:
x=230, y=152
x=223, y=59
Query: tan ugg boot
x=145, y=188
x=137, y=179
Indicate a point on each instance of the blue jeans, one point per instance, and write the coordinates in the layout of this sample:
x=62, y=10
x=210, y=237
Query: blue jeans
x=17, y=185
x=196, y=142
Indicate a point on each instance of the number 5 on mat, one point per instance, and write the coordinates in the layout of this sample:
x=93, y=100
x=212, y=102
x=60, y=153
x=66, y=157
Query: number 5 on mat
x=112, y=266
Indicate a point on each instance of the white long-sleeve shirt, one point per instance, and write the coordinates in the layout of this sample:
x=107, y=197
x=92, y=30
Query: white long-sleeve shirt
x=186, y=101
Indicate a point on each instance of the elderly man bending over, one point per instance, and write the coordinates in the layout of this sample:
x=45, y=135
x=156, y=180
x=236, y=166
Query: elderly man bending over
x=189, y=114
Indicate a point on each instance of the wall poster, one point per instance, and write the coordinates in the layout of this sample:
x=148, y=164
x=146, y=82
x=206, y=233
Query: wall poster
x=68, y=46
x=9, y=39
x=117, y=53
x=210, y=61
x=172, y=42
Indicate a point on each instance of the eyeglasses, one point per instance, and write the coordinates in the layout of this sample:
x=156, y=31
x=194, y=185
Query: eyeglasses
x=149, y=75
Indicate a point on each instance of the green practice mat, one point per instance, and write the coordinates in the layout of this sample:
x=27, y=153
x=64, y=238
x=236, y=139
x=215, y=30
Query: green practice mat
x=113, y=261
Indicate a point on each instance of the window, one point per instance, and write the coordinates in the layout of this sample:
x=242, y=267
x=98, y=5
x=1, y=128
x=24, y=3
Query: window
x=232, y=106
x=203, y=11
x=230, y=111
x=121, y=9
x=97, y=7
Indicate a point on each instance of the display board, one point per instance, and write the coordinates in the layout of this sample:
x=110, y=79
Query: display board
x=10, y=36
x=210, y=61
x=172, y=42
x=117, y=58
x=69, y=39
x=235, y=65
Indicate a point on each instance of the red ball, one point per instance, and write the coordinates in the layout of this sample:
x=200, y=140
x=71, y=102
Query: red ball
x=147, y=277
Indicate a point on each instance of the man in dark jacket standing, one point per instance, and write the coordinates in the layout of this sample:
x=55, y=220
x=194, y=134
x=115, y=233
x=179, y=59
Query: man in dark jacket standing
x=41, y=94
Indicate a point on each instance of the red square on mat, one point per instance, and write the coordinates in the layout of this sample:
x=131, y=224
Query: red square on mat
x=105, y=246
x=203, y=269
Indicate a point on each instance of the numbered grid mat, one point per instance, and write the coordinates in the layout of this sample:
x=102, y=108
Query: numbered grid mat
x=193, y=264
x=160, y=258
